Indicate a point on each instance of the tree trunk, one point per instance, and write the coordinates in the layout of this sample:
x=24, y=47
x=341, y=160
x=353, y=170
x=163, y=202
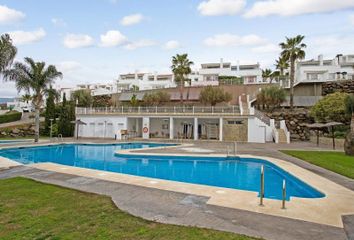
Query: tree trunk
x=352, y=124
x=181, y=87
x=292, y=77
x=36, y=129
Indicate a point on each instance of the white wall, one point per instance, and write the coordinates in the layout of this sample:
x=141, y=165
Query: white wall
x=146, y=125
x=102, y=126
x=258, y=131
x=156, y=126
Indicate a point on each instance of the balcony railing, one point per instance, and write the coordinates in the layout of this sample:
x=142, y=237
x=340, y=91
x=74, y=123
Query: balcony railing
x=123, y=110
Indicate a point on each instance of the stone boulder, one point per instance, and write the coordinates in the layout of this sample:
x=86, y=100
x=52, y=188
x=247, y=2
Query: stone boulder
x=349, y=144
x=16, y=131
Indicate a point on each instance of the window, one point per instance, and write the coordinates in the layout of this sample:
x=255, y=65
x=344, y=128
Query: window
x=313, y=76
x=250, y=79
x=235, y=122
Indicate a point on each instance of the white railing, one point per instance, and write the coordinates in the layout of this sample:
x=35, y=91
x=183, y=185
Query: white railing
x=240, y=104
x=275, y=133
x=261, y=116
x=286, y=131
x=231, y=110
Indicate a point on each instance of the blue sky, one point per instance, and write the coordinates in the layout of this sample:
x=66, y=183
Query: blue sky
x=93, y=41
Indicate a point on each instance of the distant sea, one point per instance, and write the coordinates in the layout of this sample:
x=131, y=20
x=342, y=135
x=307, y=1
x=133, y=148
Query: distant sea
x=5, y=100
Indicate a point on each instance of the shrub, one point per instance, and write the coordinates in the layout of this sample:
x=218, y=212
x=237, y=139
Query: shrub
x=271, y=97
x=156, y=98
x=10, y=117
x=331, y=108
x=213, y=95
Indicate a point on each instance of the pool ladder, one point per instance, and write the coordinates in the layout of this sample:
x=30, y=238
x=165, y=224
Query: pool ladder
x=60, y=137
x=261, y=191
x=234, y=152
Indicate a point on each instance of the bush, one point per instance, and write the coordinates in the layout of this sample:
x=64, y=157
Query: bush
x=230, y=80
x=271, y=97
x=10, y=117
x=214, y=95
x=331, y=108
x=156, y=98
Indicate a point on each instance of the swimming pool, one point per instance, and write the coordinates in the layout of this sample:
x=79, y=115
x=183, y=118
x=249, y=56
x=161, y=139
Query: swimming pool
x=236, y=173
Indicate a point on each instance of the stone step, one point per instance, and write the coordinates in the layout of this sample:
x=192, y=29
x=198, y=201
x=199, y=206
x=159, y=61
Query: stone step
x=282, y=136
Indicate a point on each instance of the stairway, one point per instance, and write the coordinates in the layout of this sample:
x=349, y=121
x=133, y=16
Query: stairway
x=282, y=136
x=245, y=108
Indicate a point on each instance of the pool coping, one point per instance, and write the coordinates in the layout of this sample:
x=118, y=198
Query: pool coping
x=327, y=210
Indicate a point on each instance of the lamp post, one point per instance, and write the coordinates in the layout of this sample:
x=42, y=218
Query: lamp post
x=51, y=128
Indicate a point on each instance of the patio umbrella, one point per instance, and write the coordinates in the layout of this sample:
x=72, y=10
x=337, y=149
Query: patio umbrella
x=320, y=126
x=331, y=125
x=78, y=122
x=317, y=127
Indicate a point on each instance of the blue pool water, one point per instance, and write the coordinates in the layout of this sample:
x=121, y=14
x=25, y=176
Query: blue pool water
x=234, y=173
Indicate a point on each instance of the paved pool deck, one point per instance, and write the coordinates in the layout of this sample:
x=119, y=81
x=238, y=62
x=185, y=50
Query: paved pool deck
x=185, y=209
x=246, y=222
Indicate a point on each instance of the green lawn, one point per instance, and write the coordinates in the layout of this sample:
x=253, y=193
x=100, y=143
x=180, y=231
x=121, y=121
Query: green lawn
x=334, y=161
x=33, y=210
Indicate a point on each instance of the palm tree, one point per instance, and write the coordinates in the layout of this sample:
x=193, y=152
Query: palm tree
x=7, y=52
x=293, y=50
x=26, y=98
x=281, y=64
x=181, y=67
x=267, y=74
x=36, y=77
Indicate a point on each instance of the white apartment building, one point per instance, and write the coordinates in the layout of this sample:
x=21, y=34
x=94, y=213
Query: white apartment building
x=144, y=81
x=209, y=73
x=95, y=90
x=319, y=70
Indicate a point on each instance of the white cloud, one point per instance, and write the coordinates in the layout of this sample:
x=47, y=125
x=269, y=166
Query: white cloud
x=132, y=19
x=68, y=66
x=112, y=38
x=351, y=19
x=8, y=15
x=221, y=7
x=58, y=22
x=266, y=48
x=78, y=41
x=292, y=7
x=229, y=40
x=140, y=44
x=23, y=37
x=330, y=45
x=172, y=44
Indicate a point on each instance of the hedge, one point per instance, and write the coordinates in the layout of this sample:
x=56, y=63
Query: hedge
x=10, y=117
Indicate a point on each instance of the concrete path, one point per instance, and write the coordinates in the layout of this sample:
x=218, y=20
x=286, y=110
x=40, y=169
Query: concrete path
x=191, y=210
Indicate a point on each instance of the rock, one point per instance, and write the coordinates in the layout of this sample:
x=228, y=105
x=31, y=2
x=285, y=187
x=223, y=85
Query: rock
x=349, y=144
x=295, y=136
x=16, y=131
x=341, y=86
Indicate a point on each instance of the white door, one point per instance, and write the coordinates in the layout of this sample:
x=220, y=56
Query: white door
x=99, y=130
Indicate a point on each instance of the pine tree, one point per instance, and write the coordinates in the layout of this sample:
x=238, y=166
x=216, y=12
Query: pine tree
x=64, y=126
x=50, y=112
